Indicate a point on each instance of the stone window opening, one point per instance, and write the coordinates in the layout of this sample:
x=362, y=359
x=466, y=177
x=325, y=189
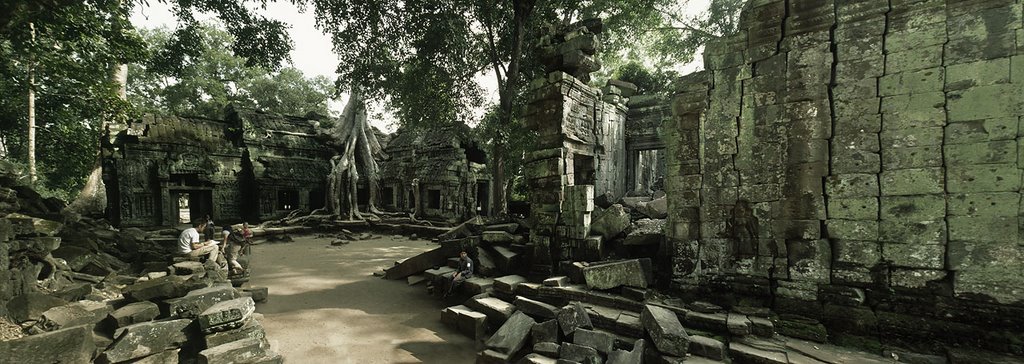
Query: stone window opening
x=583, y=170
x=388, y=196
x=434, y=199
x=287, y=200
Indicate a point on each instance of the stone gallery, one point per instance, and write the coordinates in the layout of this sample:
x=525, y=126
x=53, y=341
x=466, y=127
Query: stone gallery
x=841, y=183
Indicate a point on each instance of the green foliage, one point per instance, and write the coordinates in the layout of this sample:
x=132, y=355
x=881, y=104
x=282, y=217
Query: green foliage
x=215, y=77
x=647, y=81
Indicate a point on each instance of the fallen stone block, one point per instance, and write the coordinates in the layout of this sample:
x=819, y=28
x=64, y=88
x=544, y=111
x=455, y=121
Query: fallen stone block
x=716, y=322
x=615, y=274
x=477, y=285
x=546, y=331
x=73, y=314
x=505, y=259
x=70, y=345
x=470, y=323
x=655, y=209
x=492, y=357
x=499, y=237
x=707, y=347
x=507, y=227
x=259, y=294
x=742, y=353
x=546, y=348
x=665, y=330
x=497, y=310
x=802, y=328
x=560, y=281
x=611, y=222
x=507, y=284
x=761, y=326
x=163, y=357
x=635, y=356
x=240, y=351
x=536, y=309
x=251, y=329
x=601, y=341
x=645, y=232
x=578, y=353
x=30, y=306
x=134, y=313
x=485, y=263
x=572, y=317
x=739, y=325
x=162, y=288
x=226, y=315
x=422, y=262
x=511, y=336
x=527, y=289
x=147, y=338
x=187, y=268
x=195, y=302
x=537, y=358
x=415, y=279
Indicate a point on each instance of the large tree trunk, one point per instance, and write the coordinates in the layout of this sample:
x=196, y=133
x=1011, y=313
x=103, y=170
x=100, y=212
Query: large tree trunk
x=92, y=199
x=32, y=112
x=359, y=149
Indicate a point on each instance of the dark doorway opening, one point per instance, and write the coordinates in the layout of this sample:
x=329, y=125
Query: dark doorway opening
x=191, y=205
x=362, y=196
x=317, y=199
x=583, y=170
x=434, y=199
x=287, y=200
x=483, y=198
x=411, y=202
x=388, y=196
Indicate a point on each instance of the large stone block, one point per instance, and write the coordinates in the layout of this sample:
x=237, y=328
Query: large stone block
x=707, y=347
x=913, y=59
x=602, y=341
x=578, y=353
x=536, y=308
x=852, y=185
x=645, y=232
x=252, y=329
x=30, y=306
x=615, y=274
x=997, y=152
x=985, y=102
x=931, y=256
x=147, y=338
x=497, y=310
x=912, y=82
x=990, y=229
x=70, y=345
x=241, y=351
x=665, y=330
x=990, y=204
x=165, y=287
x=546, y=331
x=511, y=336
x=73, y=314
x=195, y=302
x=915, y=181
x=912, y=232
x=911, y=137
x=913, y=157
x=226, y=315
x=913, y=208
x=809, y=261
x=978, y=131
x=572, y=317
x=918, y=110
x=852, y=229
x=983, y=178
x=855, y=161
x=134, y=313
x=924, y=34
x=864, y=208
x=981, y=73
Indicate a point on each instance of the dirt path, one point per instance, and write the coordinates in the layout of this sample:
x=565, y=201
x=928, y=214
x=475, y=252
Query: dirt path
x=326, y=307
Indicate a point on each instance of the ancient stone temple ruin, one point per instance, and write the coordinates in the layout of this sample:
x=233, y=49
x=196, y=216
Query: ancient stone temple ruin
x=438, y=174
x=163, y=171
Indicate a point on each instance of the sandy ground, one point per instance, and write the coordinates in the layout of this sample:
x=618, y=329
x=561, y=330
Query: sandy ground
x=326, y=307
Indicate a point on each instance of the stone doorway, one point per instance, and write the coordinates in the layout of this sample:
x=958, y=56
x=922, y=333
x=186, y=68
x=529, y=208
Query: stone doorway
x=190, y=205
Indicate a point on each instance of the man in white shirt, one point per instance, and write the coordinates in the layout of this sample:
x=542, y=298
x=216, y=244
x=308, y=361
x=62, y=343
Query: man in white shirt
x=189, y=245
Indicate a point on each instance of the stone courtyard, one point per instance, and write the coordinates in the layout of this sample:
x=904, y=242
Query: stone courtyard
x=840, y=184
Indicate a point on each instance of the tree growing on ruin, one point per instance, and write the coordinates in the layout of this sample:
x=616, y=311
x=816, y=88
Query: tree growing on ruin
x=358, y=152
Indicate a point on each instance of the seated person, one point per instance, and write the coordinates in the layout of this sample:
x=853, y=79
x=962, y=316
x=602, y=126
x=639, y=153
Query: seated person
x=236, y=238
x=189, y=245
x=464, y=272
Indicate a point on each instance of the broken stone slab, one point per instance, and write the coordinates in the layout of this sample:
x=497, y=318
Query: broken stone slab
x=655, y=209
x=422, y=262
x=259, y=294
x=511, y=336
x=147, y=338
x=441, y=272
x=507, y=284
x=527, y=289
x=761, y=326
x=195, y=302
x=499, y=237
x=240, y=351
x=615, y=274
x=134, y=313
x=611, y=222
x=250, y=329
x=560, y=281
x=492, y=357
x=627, y=89
x=599, y=340
x=635, y=356
x=507, y=227
x=477, y=285
x=665, y=330
x=225, y=315
x=163, y=357
x=707, y=347
x=187, y=268
x=578, y=353
x=162, y=288
x=546, y=331
x=716, y=322
x=546, y=348
x=801, y=328
x=73, y=314
x=70, y=345
x=743, y=353
x=24, y=225
x=470, y=323
x=636, y=294
x=572, y=317
x=30, y=306
x=415, y=279
x=497, y=310
x=485, y=264
x=645, y=232
x=538, y=358
x=535, y=308
x=505, y=259
x=739, y=325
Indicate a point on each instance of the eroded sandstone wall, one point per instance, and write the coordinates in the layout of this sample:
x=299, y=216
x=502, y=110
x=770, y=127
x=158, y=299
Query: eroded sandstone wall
x=856, y=165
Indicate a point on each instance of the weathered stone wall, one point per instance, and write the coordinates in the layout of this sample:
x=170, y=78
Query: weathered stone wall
x=645, y=165
x=857, y=164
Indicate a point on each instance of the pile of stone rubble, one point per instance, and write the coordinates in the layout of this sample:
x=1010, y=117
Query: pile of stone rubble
x=68, y=296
